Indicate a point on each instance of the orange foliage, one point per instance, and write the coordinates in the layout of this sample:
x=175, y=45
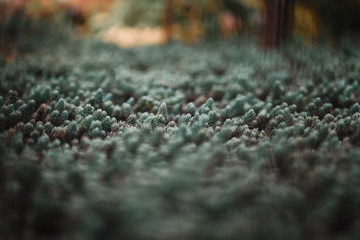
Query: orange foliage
x=88, y=6
x=307, y=24
x=188, y=33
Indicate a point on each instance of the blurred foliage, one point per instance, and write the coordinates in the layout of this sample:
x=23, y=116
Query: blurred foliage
x=314, y=20
x=328, y=18
x=143, y=13
x=26, y=33
x=28, y=24
x=191, y=20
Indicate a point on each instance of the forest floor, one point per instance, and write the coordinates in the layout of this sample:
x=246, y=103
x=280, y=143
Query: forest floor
x=207, y=141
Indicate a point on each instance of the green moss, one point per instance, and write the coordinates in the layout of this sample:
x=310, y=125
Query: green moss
x=86, y=157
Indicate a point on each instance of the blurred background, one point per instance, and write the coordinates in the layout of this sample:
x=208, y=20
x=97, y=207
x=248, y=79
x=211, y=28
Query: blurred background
x=26, y=24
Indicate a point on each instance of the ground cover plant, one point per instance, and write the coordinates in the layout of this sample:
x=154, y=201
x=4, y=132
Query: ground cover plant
x=210, y=141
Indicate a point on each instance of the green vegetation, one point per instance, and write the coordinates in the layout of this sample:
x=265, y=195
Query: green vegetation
x=211, y=141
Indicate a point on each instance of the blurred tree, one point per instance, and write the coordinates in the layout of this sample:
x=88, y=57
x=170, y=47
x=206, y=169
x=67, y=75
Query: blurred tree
x=213, y=18
x=326, y=18
x=11, y=10
x=277, y=22
x=335, y=17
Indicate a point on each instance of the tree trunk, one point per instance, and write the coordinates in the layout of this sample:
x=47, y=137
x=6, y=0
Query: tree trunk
x=277, y=22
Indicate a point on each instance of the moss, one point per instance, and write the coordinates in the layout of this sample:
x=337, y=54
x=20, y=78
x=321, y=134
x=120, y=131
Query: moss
x=88, y=157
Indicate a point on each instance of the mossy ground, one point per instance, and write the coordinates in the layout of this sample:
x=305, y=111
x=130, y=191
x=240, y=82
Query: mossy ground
x=210, y=141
